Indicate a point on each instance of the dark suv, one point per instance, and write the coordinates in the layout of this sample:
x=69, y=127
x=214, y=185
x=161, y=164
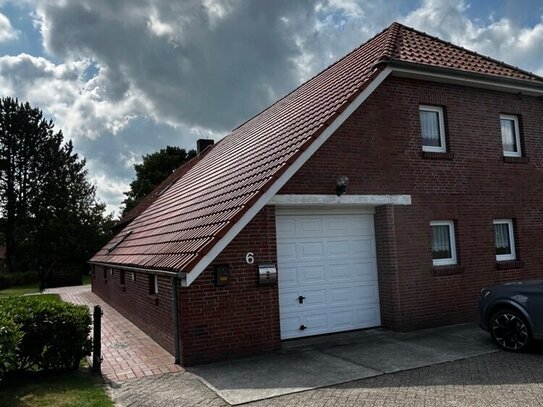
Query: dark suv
x=513, y=313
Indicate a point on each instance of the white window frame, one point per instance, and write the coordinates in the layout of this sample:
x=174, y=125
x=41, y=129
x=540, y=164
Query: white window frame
x=514, y=119
x=451, y=260
x=513, y=255
x=439, y=111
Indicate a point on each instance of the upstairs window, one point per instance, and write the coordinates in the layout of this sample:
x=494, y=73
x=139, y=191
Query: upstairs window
x=505, y=239
x=443, y=243
x=510, y=136
x=432, y=128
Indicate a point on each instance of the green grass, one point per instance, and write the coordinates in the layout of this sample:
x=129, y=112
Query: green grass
x=60, y=390
x=20, y=290
x=86, y=279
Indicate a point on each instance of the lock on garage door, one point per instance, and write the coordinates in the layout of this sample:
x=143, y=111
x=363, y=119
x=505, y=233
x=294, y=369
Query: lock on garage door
x=327, y=271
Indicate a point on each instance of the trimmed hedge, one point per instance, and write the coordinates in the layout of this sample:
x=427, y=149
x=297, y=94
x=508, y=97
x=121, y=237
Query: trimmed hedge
x=55, y=335
x=10, y=338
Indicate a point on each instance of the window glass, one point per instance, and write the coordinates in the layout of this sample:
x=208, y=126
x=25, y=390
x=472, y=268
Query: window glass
x=429, y=125
x=432, y=129
x=505, y=241
x=441, y=242
x=510, y=135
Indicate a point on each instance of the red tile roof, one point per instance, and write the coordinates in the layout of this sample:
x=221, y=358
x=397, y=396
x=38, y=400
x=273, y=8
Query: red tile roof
x=185, y=222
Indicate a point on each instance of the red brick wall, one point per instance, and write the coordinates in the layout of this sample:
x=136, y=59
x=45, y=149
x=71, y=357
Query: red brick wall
x=153, y=314
x=379, y=149
x=239, y=319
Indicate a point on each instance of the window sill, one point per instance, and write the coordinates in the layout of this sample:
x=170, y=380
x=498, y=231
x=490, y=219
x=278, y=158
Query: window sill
x=509, y=265
x=449, y=270
x=516, y=160
x=430, y=155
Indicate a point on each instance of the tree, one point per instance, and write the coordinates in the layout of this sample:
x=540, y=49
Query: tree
x=51, y=214
x=154, y=169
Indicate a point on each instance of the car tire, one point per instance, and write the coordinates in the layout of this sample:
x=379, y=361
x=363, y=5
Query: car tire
x=510, y=330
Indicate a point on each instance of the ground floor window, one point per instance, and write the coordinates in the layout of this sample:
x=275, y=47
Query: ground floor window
x=505, y=239
x=443, y=243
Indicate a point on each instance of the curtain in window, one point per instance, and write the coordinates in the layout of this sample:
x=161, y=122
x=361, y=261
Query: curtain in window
x=441, y=243
x=503, y=245
x=508, y=135
x=429, y=125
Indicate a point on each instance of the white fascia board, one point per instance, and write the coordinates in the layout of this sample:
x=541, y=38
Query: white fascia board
x=282, y=180
x=465, y=80
x=343, y=200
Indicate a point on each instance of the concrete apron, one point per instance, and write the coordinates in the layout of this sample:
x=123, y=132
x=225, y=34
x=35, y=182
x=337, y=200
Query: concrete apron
x=306, y=364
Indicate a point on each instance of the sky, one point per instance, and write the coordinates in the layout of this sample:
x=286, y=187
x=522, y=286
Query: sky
x=124, y=78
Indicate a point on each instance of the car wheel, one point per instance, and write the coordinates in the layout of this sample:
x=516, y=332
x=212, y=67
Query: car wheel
x=510, y=330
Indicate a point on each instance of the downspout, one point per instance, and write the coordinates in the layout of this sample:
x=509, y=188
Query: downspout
x=175, y=316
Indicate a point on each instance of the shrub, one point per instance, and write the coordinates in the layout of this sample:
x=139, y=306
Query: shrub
x=55, y=335
x=10, y=338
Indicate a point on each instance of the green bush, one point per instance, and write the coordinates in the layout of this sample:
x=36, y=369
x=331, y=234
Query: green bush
x=8, y=280
x=55, y=335
x=10, y=338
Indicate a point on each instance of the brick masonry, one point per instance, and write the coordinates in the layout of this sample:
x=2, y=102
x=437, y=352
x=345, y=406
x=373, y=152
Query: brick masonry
x=379, y=149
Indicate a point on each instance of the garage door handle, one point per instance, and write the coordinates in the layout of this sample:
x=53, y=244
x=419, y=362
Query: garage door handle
x=301, y=299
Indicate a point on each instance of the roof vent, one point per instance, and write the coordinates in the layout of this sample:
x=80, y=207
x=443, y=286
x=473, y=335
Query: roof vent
x=202, y=144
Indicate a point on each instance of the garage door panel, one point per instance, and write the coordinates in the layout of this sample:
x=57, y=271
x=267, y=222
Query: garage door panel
x=338, y=248
x=285, y=226
x=364, y=248
x=287, y=251
x=367, y=316
x=313, y=274
x=308, y=226
x=290, y=325
x=333, y=267
x=310, y=251
x=342, y=319
x=316, y=323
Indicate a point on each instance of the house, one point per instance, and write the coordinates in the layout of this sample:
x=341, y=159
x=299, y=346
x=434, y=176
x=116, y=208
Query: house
x=385, y=191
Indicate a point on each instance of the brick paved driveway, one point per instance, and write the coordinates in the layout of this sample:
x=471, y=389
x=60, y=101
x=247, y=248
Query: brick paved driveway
x=127, y=352
x=495, y=380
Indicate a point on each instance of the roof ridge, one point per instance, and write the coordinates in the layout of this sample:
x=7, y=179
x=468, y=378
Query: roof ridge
x=466, y=50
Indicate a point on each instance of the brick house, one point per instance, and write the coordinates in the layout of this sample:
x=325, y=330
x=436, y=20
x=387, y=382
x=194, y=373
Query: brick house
x=385, y=191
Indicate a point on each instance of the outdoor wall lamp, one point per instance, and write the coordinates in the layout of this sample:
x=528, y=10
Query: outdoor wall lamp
x=341, y=185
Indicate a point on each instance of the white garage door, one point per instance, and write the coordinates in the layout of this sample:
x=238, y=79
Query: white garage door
x=327, y=272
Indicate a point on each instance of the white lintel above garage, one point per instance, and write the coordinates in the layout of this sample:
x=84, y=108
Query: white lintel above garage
x=342, y=200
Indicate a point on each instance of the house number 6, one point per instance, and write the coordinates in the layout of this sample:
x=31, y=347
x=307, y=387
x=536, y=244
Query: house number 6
x=250, y=258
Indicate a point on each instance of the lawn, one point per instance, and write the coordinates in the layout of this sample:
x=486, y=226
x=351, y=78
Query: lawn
x=60, y=390
x=20, y=290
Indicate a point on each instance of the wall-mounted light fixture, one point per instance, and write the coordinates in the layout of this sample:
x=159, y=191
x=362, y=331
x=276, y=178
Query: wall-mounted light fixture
x=341, y=185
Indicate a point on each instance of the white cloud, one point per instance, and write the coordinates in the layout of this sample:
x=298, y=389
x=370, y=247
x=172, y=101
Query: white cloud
x=80, y=108
x=7, y=32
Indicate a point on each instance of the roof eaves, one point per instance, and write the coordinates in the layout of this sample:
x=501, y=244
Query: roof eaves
x=532, y=87
x=468, y=51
